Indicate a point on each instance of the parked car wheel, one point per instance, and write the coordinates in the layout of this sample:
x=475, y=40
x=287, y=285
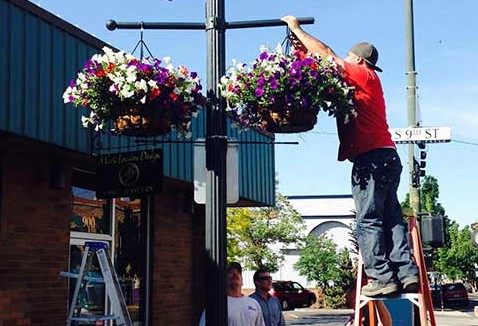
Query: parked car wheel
x=285, y=305
x=312, y=300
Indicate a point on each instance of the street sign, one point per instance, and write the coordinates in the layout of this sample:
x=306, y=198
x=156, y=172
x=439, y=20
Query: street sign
x=421, y=134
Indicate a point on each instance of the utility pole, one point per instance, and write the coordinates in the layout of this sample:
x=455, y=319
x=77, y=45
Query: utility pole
x=411, y=102
x=216, y=145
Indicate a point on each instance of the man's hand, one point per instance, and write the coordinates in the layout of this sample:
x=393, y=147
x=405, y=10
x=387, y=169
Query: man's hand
x=292, y=22
x=294, y=25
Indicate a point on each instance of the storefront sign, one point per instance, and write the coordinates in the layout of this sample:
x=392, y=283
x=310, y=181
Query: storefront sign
x=129, y=174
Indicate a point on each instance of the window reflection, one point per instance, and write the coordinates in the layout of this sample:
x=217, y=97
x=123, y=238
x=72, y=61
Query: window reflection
x=89, y=214
x=129, y=253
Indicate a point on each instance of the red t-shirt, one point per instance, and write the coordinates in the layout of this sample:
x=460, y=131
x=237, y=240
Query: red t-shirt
x=369, y=130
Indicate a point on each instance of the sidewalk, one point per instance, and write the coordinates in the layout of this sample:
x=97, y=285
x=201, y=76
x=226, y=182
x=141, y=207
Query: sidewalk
x=337, y=317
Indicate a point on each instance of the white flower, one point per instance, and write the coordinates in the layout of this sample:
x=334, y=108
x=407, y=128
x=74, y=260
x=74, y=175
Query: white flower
x=126, y=92
x=141, y=85
x=85, y=121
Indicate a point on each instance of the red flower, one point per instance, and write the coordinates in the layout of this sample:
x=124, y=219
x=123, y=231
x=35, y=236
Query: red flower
x=173, y=96
x=111, y=67
x=100, y=73
x=300, y=54
x=155, y=92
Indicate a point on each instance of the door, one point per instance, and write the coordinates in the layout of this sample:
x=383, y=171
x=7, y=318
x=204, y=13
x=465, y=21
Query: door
x=89, y=222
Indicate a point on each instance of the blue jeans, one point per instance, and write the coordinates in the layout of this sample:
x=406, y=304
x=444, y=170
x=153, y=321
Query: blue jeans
x=381, y=230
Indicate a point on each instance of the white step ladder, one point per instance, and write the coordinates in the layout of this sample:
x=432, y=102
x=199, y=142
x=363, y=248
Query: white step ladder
x=118, y=305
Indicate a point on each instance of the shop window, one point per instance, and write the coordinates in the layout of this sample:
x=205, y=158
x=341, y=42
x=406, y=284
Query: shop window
x=129, y=253
x=89, y=215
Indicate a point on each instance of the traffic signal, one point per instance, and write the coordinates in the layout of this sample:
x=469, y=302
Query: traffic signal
x=419, y=166
x=416, y=174
x=433, y=230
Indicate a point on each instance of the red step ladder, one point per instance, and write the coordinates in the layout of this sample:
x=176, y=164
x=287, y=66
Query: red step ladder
x=422, y=299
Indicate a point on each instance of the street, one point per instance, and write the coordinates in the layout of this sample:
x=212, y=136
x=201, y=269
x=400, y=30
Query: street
x=338, y=317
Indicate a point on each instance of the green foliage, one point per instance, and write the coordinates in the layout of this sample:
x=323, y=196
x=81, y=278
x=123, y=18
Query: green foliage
x=429, y=193
x=331, y=269
x=457, y=258
x=253, y=233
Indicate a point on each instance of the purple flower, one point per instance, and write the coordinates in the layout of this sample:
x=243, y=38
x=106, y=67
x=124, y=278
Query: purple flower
x=259, y=91
x=273, y=84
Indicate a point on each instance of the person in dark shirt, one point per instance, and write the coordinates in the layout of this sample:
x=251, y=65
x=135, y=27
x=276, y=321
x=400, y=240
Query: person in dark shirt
x=270, y=306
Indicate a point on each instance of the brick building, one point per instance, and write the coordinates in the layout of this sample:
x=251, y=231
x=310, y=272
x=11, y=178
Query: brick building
x=48, y=206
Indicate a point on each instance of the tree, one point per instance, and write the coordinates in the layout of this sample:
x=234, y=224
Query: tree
x=256, y=236
x=457, y=258
x=321, y=262
x=429, y=193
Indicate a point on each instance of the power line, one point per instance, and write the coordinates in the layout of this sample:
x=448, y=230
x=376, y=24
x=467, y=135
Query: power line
x=464, y=142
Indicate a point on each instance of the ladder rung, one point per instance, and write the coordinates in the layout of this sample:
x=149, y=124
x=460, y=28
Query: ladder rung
x=88, y=278
x=392, y=297
x=95, y=318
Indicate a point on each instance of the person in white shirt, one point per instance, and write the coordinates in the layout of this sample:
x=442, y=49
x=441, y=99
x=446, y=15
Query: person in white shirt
x=241, y=309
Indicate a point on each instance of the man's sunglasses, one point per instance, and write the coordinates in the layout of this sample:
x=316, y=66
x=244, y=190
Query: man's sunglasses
x=265, y=278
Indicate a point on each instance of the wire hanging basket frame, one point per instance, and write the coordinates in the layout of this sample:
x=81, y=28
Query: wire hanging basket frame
x=146, y=120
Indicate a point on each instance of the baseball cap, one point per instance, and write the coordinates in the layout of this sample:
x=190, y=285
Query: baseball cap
x=234, y=265
x=368, y=52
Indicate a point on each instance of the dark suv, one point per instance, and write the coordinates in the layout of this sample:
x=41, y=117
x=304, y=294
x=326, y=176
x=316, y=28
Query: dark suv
x=292, y=295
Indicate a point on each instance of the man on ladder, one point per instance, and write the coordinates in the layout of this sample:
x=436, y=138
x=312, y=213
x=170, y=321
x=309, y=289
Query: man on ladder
x=366, y=141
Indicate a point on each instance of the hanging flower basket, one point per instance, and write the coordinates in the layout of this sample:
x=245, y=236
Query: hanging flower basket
x=141, y=121
x=283, y=93
x=140, y=97
x=294, y=120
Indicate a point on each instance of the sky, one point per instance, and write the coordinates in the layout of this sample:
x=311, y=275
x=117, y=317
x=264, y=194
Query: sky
x=446, y=49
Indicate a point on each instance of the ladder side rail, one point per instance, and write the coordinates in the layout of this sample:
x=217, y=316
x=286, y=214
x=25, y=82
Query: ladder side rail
x=424, y=299
x=113, y=289
x=358, y=292
x=78, y=285
x=371, y=313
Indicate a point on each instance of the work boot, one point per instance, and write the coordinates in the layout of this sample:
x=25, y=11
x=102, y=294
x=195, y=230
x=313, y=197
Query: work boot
x=410, y=284
x=374, y=288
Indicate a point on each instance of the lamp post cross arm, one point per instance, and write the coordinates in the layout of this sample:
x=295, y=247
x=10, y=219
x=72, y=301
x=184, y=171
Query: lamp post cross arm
x=215, y=23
